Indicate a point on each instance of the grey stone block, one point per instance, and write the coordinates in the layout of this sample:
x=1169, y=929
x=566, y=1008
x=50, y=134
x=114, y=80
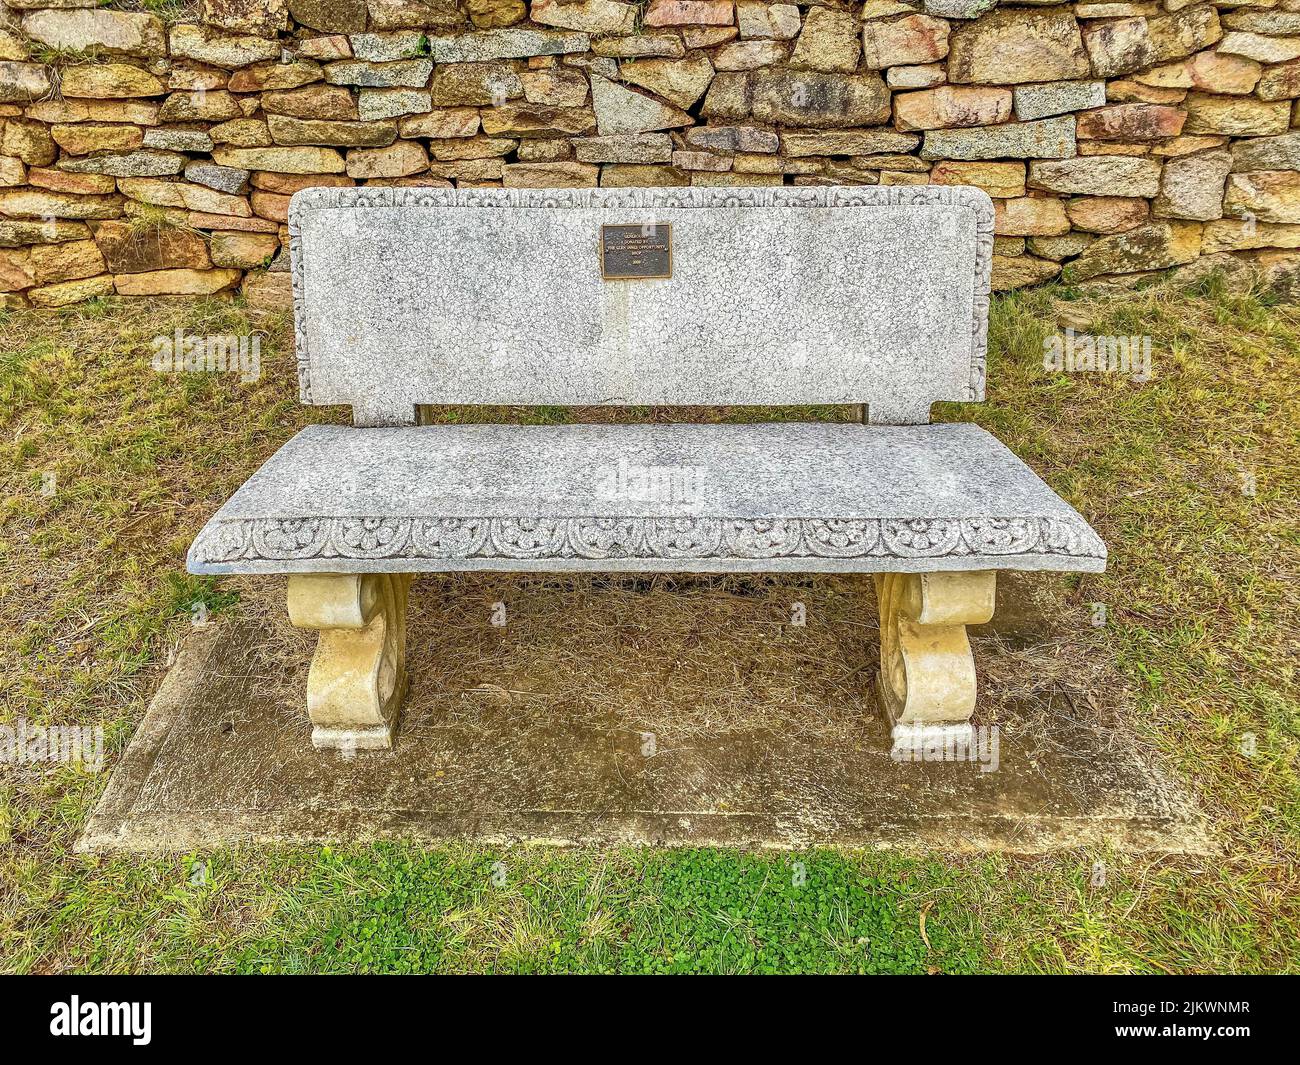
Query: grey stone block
x=506, y=44
x=222, y=178
x=696, y=498
x=777, y=295
x=1048, y=138
x=1057, y=98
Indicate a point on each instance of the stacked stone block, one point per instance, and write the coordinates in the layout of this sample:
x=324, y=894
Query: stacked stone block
x=151, y=149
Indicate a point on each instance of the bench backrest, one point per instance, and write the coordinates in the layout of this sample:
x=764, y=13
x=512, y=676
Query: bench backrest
x=875, y=295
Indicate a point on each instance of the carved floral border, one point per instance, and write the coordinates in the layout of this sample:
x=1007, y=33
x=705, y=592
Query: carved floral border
x=975, y=200
x=230, y=541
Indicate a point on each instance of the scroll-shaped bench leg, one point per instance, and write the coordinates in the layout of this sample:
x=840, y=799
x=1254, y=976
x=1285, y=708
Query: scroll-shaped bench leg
x=358, y=674
x=927, y=672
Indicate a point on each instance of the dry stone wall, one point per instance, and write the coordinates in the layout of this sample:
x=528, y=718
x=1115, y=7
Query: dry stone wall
x=150, y=147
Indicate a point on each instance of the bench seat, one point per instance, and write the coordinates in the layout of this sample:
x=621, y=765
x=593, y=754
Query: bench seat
x=694, y=498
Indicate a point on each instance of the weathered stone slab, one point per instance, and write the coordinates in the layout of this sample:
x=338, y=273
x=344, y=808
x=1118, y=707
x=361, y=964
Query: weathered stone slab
x=588, y=16
x=370, y=336
x=809, y=98
x=1103, y=175
x=733, y=138
x=537, y=120
x=104, y=81
x=505, y=44
x=173, y=139
x=405, y=73
x=1015, y=47
x=999, y=180
x=330, y=16
x=1131, y=122
x=621, y=110
x=1260, y=48
x=952, y=106
x=1268, y=195
x=760, y=19
x=144, y=163
x=851, y=498
x=33, y=203
x=1192, y=186
x=1236, y=116
x=915, y=39
x=842, y=142
x=631, y=148
x=680, y=82
x=300, y=131
x=1267, y=153
x=828, y=42
x=1154, y=246
x=1058, y=98
x=378, y=104
x=471, y=84
x=206, y=45
x=1120, y=46
x=21, y=82
x=1048, y=138
x=282, y=160
x=115, y=32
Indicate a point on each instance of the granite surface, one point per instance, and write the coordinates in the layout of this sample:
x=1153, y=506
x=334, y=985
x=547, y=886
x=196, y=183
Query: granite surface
x=694, y=498
x=777, y=295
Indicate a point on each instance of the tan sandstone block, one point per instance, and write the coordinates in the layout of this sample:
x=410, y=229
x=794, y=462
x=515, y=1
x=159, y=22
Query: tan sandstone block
x=106, y=81
x=1017, y=271
x=1130, y=122
x=175, y=282
x=1016, y=47
x=549, y=175
x=332, y=102
x=32, y=203
x=441, y=124
x=1029, y=216
x=269, y=205
x=288, y=184
x=688, y=13
x=130, y=249
x=828, y=42
x=282, y=160
x=952, y=106
x=999, y=180
x=84, y=138
x=1268, y=195
x=398, y=160
x=1153, y=246
x=69, y=261
x=242, y=250
x=62, y=181
x=69, y=292
x=917, y=39
x=28, y=141
x=138, y=112
x=1236, y=116
x=13, y=172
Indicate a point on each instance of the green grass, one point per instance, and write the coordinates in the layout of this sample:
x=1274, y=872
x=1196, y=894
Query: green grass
x=1201, y=617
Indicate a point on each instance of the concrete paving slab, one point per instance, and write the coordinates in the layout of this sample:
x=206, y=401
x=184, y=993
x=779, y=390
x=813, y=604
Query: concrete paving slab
x=568, y=725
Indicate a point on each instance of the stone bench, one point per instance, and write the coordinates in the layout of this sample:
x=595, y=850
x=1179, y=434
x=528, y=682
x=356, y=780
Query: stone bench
x=873, y=296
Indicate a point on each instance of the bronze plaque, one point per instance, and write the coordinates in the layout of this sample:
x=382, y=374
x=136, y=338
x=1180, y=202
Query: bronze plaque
x=636, y=251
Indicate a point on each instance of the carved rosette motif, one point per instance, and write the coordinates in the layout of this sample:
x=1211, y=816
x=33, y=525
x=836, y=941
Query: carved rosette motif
x=227, y=541
x=974, y=200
